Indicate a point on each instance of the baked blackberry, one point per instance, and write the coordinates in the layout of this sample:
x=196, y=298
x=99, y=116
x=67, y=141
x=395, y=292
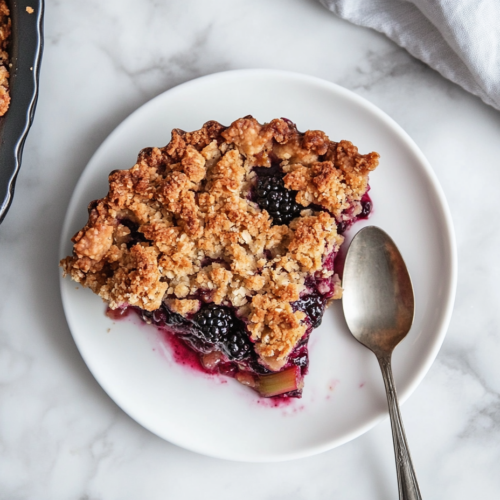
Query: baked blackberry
x=237, y=345
x=342, y=227
x=273, y=196
x=219, y=326
x=314, y=306
x=215, y=322
x=366, y=209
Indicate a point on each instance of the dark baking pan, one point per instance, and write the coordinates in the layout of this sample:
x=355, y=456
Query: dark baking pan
x=25, y=56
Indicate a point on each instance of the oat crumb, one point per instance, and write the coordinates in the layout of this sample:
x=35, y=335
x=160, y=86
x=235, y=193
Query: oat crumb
x=30, y=10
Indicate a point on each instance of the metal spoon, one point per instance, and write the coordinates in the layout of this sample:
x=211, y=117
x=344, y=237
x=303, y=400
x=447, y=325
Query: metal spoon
x=379, y=307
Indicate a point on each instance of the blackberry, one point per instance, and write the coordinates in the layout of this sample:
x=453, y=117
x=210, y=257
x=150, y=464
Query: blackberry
x=273, y=196
x=342, y=227
x=365, y=210
x=237, y=345
x=218, y=325
x=314, y=306
x=215, y=323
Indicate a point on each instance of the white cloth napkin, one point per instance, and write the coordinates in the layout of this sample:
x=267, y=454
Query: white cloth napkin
x=458, y=38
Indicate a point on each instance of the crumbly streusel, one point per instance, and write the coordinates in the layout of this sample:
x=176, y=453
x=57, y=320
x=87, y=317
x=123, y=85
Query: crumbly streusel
x=205, y=239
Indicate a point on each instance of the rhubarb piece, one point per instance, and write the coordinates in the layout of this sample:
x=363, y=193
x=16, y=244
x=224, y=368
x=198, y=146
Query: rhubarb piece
x=276, y=384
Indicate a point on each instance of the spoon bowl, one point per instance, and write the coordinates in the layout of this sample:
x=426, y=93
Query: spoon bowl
x=378, y=295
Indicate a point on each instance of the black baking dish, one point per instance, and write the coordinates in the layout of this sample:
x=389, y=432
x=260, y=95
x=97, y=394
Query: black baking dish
x=25, y=57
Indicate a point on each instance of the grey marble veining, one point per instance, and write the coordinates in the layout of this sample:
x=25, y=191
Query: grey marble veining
x=61, y=437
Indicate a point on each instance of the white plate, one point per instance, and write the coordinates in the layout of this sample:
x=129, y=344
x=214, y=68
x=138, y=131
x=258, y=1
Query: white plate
x=343, y=395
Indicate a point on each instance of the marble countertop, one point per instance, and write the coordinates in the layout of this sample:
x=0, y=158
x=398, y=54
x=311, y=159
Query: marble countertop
x=61, y=437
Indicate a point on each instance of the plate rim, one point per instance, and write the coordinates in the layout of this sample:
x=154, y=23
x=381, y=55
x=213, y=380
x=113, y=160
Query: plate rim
x=434, y=345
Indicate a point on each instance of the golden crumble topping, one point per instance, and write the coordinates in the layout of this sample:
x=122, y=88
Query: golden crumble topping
x=5, y=30
x=180, y=226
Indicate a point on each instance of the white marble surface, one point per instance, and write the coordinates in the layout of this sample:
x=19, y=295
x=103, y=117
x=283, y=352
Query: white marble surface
x=61, y=437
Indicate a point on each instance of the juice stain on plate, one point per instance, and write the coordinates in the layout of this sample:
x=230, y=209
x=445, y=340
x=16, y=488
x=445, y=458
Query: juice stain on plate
x=181, y=353
x=332, y=385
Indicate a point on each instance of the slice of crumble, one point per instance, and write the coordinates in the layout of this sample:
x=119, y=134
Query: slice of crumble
x=227, y=238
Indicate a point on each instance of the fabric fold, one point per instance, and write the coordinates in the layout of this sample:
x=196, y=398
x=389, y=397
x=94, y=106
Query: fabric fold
x=458, y=38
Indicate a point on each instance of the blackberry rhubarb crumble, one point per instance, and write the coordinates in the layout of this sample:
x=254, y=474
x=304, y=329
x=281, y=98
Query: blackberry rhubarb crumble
x=227, y=238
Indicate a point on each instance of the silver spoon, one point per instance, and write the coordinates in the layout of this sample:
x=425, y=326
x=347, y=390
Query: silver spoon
x=379, y=307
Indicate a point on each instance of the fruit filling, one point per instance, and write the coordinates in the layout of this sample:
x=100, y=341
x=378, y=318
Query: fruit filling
x=227, y=239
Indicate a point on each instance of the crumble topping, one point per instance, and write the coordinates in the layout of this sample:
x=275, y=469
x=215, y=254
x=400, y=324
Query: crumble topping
x=180, y=226
x=5, y=30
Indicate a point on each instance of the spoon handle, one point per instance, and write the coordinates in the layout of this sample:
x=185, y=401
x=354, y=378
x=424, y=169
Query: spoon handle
x=407, y=480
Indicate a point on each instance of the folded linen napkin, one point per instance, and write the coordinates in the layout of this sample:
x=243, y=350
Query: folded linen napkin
x=458, y=38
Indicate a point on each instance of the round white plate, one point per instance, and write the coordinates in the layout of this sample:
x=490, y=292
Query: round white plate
x=343, y=395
